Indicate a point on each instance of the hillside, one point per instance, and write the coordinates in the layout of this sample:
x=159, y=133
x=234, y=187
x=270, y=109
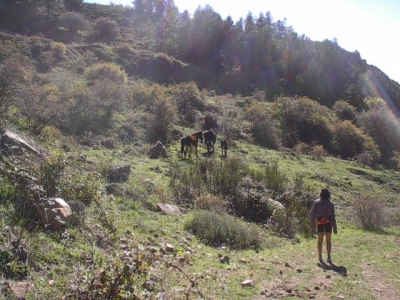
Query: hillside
x=94, y=101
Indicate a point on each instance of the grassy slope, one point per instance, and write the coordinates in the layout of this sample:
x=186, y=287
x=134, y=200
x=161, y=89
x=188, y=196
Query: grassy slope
x=282, y=269
x=364, y=261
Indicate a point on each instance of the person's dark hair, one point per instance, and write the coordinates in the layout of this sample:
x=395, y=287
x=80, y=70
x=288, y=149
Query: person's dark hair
x=325, y=194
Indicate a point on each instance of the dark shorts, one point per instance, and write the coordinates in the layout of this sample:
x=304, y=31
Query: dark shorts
x=325, y=227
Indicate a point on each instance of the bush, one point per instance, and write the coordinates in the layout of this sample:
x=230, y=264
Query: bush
x=368, y=213
x=187, y=98
x=351, y=141
x=345, y=111
x=263, y=126
x=106, y=71
x=296, y=216
x=162, y=117
x=384, y=127
x=105, y=29
x=221, y=229
x=303, y=120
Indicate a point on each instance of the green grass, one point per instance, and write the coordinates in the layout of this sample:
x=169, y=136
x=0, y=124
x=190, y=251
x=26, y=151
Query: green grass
x=283, y=268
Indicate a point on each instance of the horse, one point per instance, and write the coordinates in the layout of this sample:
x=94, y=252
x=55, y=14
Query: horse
x=224, y=147
x=190, y=141
x=209, y=139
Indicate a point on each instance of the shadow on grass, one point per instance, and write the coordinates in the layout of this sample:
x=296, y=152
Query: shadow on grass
x=332, y=267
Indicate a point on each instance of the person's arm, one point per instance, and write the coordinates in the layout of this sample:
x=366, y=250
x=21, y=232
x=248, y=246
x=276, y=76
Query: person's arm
x=313, y=216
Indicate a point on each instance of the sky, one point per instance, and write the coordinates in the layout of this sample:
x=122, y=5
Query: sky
x=372, y=27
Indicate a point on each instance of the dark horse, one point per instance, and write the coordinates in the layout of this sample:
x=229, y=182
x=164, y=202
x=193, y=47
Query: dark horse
x=190, y=141
x=224, y=147
x=209, y=139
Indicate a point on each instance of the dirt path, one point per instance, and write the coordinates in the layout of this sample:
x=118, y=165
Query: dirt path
x=298, y=274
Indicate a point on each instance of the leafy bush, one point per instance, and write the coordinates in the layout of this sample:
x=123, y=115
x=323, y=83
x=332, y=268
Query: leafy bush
x=263, y=126
x=345, y=111
x=295, y=218
x=59, y=50
x=383, y=126
x=105, y=71
x=351, y=141
x=221, y=229
x=105, y=29
x=163, y=115
x=303, y=120
x=368, y=213
x=187, y=98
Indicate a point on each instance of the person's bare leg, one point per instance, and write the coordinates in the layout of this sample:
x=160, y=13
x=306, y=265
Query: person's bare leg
x=320, y=242
x=328, y=244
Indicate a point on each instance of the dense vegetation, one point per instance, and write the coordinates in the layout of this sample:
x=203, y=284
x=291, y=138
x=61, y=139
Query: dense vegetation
x=98, y=85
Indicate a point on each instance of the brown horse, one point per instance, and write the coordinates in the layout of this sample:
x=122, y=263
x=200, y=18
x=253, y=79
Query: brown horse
x=224, y=147
x=190, y=141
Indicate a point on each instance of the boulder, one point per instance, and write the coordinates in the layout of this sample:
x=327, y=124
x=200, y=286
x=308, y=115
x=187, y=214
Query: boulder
x=53, y=212
x=170, y=209
x=158, y=150
x=119, y=174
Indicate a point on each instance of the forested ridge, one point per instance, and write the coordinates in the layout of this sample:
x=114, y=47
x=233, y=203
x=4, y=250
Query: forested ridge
x=256, y=57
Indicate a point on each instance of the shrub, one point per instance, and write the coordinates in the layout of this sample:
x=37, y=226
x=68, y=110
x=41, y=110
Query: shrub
x=368, y=213
x=59, y=50
x=106, y=71
x=211, y=202
x=274, y=179
x=221, y=229
x=105, y=29
x=210, y=121
x=303, y=120
x=188, y=100
x=162, y=117
x=383, y=126
x=345, y=111
x=295, y=218
x=263, y=126
x=351, y=141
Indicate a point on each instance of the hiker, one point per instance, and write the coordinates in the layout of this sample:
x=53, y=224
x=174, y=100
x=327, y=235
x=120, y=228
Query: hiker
x=323, y=218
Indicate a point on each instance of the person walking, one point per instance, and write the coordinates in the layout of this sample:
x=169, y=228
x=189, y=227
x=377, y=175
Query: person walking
x=323, y=218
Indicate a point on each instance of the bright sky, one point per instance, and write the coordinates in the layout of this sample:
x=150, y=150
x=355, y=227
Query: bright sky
x=372, y=27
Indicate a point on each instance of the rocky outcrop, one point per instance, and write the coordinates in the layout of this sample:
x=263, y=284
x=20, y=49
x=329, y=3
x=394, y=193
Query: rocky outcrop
x=11, y=142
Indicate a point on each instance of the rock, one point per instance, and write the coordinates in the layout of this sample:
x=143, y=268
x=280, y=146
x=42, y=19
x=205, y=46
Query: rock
x=20, y=289
x=275, y=205
x=119, y=174
x=248, y=283
x=224, y=259
x=10, y=139
x=170, y=209
x=157, y=150
x=169, y=248
x=149, y=285
x=53, y=212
